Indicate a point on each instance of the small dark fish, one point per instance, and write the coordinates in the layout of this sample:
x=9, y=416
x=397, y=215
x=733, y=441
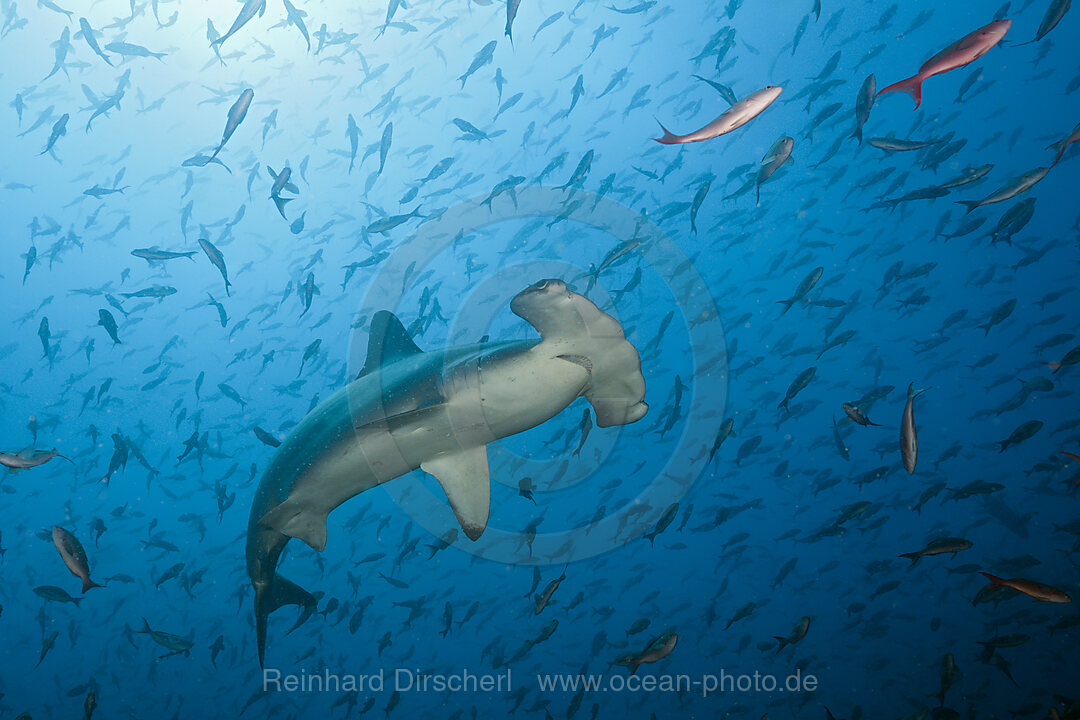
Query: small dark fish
x=250, y=9
x=237, y=113
x=909, y=447
x=218, y=261
x=266, y=438
x=107, y=321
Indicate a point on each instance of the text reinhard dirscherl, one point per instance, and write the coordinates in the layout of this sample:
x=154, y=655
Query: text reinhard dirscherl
x=401, y=680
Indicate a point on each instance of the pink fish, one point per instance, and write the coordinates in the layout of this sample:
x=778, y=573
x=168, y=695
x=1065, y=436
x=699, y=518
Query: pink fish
x=1063, y=145
x=736, y=116
x=962, y=52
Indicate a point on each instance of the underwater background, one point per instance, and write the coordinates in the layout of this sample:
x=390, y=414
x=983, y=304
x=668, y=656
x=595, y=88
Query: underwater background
x=747, y=502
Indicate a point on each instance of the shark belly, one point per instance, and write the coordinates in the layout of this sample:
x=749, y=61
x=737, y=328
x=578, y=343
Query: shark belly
x=434, y=411
x=336, y=453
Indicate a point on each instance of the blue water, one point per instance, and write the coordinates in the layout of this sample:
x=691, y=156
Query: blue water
x=768, y=517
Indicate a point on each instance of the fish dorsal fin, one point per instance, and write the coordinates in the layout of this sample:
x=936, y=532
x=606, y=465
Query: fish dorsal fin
x=388, y=342
x=464, y=478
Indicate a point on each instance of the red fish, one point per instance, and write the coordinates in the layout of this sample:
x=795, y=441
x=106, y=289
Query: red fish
x=1063, y=145
x=1074, y=457
x=1036, y=590
x=962, y=52
x=736, y=116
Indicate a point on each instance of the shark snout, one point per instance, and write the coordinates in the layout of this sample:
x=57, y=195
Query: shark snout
x=539, y=300
x=550, y=286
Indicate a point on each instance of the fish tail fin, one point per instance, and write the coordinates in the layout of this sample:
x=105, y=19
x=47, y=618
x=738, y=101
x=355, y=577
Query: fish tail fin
x=912, y=393
x=281, y=202
x=856, y=133
x=969, y=204
x=787, y=305
x=995, y=581
x=914, y=557
x=669, y=138
x=1054, y=366
x=89, y=584
x=783, y=643
x=270, y=597
x=912, y=86
x=1060, y=147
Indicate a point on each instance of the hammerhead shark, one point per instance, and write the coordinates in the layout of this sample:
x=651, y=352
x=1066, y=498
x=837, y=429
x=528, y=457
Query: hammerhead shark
x=434, y=411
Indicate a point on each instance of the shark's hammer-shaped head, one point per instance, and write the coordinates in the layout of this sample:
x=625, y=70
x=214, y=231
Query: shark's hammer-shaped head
x=579, y=331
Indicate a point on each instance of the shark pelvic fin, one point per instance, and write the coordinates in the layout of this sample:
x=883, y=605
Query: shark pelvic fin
x=297, y=521
x=465, y=479
x=388, y=342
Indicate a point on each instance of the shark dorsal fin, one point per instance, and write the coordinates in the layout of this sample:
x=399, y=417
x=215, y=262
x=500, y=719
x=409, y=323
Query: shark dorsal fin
x=388, y=342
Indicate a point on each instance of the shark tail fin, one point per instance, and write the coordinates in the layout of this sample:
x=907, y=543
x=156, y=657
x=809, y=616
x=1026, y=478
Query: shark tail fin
x=278, y=593
x=582, y=334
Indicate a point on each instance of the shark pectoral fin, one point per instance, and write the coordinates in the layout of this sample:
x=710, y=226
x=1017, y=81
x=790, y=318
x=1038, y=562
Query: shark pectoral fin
x=464, y=478
x=297, y=521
